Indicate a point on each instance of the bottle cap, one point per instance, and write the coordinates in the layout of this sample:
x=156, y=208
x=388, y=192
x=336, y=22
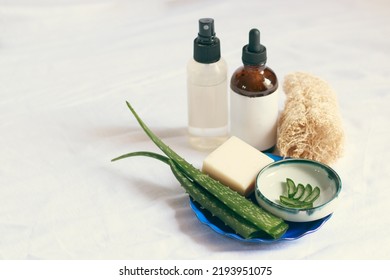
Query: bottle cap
x=254, y=53
x=207, y=48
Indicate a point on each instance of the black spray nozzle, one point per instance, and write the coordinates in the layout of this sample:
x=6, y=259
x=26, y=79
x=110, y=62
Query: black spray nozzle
x=206, y=46
x=254, y=53
x=206, y=29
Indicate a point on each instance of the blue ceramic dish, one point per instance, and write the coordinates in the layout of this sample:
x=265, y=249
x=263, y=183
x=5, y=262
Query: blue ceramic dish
x=296, y=229
x=271, y=183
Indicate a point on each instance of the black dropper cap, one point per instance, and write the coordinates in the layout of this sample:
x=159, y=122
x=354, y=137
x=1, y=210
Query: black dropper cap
x=254, y=53
x=207, y=48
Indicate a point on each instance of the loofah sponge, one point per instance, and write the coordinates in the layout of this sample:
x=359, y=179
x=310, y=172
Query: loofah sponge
x=310, y=125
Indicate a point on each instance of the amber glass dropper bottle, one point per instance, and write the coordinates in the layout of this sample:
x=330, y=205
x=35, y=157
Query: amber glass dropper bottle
x=254, y=97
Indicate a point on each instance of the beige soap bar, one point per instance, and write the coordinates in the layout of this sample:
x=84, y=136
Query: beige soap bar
x=235, y=164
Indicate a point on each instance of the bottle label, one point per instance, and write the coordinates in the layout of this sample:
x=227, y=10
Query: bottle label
x=254, y=119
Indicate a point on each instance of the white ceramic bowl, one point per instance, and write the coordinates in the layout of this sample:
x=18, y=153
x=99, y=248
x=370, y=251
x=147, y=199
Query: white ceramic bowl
x=270, y=184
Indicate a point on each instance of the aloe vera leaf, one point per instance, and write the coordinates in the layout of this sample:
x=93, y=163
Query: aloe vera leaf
x=144, y=153
x=269, y=223
x=204, y=198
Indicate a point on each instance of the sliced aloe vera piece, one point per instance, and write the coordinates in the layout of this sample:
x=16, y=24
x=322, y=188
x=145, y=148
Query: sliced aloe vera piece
x=313, y=196
x=299, y=192
x=293, y=203
x=306, y=193
x=291, y=188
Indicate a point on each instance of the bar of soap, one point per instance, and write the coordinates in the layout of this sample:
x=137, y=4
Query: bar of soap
x=235, y=164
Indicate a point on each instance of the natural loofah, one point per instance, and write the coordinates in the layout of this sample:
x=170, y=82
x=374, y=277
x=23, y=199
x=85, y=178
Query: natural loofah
x=310, y=125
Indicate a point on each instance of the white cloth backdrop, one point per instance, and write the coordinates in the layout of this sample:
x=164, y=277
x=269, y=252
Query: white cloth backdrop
x=66, y=70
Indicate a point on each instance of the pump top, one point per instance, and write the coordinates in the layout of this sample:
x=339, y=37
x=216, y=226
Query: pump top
x=207, y=48
x=254, y=53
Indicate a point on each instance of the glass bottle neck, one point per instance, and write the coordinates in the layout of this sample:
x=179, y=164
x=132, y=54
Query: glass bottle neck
x=255, y=67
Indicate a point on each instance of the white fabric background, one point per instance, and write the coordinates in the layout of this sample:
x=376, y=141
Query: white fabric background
x=66, y=69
